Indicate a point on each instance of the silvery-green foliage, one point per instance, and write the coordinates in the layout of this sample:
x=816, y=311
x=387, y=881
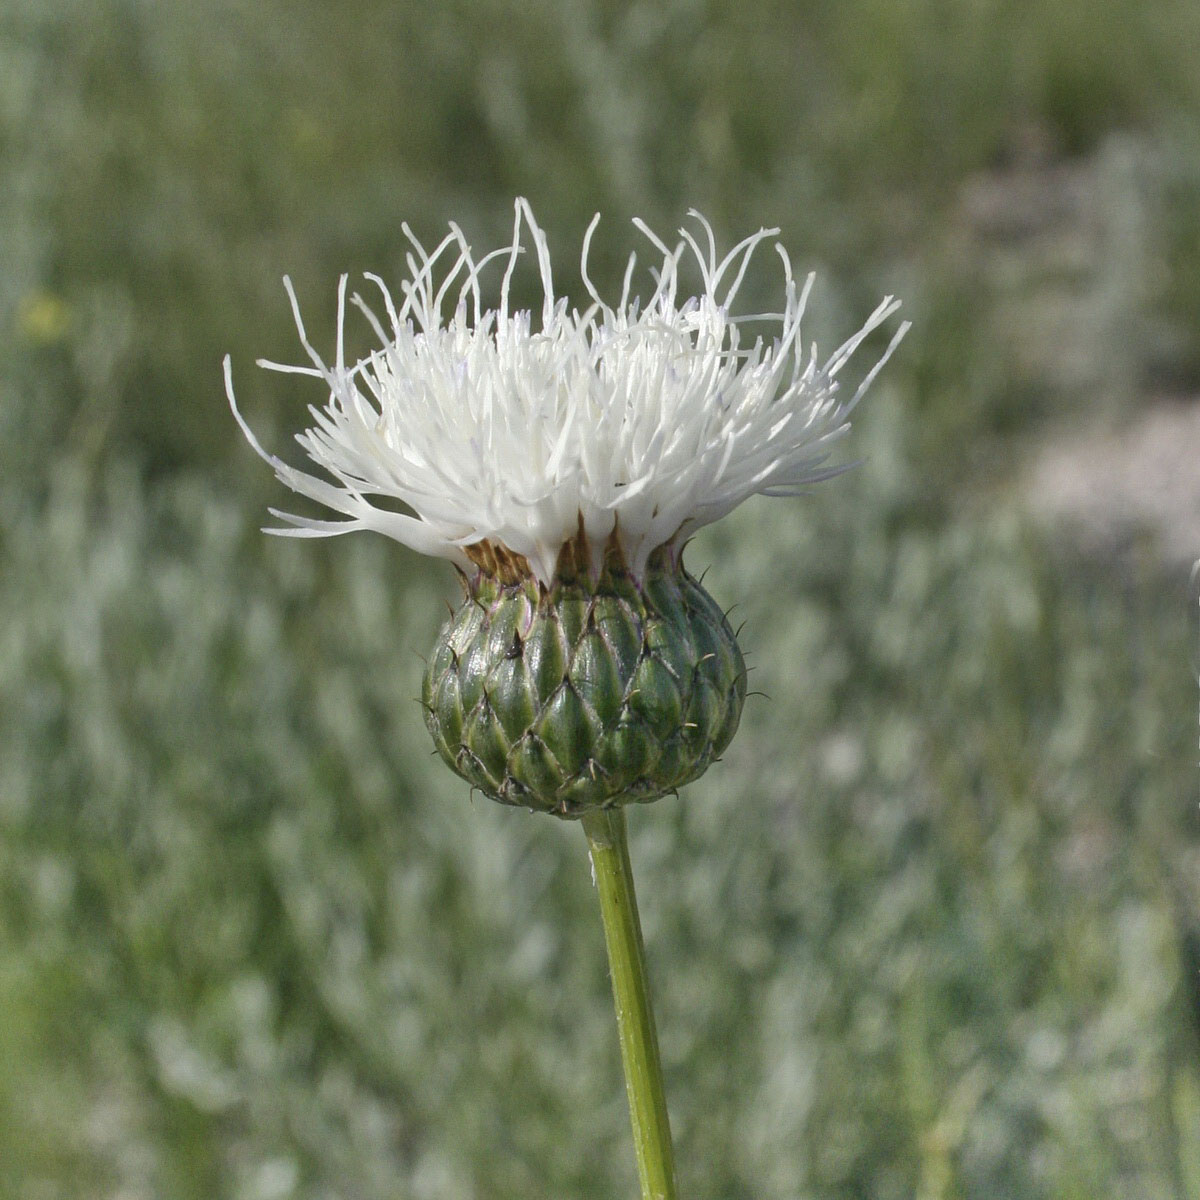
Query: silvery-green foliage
x=274, y=950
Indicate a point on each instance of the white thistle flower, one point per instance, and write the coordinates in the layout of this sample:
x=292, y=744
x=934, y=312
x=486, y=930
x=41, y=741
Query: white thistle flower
x=637, y=423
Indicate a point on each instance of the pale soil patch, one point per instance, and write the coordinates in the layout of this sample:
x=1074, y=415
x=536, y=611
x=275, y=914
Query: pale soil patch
x=1110, y=484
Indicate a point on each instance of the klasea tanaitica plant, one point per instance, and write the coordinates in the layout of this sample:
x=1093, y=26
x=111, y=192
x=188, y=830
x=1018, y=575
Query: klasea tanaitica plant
x=561, y=463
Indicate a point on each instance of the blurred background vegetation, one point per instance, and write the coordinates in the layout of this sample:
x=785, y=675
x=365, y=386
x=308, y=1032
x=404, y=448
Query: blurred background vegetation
x=932, y=929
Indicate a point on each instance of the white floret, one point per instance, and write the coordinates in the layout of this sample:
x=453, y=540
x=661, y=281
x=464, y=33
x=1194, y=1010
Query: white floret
x=644, y=420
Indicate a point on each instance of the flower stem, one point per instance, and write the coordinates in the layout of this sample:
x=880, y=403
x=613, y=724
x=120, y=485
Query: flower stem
x=609, y=848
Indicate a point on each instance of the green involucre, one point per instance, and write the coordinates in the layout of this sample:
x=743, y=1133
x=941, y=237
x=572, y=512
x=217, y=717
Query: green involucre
x=586, y=695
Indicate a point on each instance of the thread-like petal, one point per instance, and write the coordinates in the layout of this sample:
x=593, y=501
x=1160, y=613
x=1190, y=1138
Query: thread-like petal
x=642, y=421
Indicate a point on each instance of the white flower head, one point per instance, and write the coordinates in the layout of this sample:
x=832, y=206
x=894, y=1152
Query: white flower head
x=639, y=422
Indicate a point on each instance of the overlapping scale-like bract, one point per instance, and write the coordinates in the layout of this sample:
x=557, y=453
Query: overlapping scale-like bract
x=586, y=695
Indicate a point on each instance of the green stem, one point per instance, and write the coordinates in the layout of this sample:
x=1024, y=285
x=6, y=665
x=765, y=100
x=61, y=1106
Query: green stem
x=605, y=829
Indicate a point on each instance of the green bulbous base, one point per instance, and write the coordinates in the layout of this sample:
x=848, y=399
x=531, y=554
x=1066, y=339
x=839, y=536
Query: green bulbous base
x=587, y=695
